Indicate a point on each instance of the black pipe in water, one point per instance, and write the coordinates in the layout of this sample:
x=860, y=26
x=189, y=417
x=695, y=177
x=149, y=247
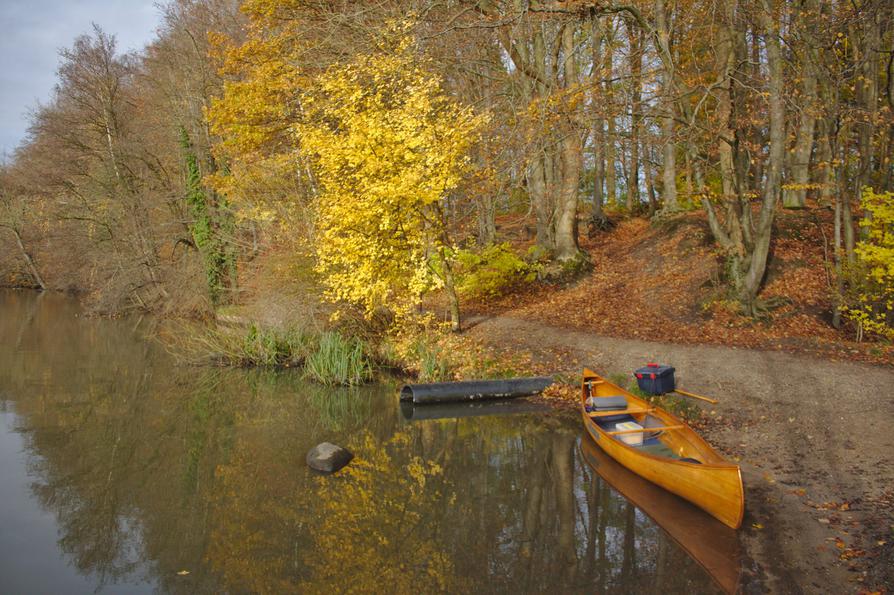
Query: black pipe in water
x=471, y=390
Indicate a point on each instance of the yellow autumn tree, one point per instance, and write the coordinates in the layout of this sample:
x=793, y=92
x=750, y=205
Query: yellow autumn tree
x=869, y=303
x=388, y=146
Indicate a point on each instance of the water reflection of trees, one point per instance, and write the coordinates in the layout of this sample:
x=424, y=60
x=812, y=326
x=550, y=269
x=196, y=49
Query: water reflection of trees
x=152, y=469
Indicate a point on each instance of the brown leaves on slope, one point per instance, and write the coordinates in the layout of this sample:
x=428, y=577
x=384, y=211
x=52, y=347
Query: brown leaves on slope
x=663, y=283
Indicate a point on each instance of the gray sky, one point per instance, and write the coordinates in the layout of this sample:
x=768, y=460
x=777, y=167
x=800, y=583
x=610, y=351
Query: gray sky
x=33, y=31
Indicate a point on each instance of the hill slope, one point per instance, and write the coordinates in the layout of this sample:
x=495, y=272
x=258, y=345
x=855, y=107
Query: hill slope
x=663, y=282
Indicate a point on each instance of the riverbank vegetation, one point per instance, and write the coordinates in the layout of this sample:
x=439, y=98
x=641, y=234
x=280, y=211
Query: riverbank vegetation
x=371, y=166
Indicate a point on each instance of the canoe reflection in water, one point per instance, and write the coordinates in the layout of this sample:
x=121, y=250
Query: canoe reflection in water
x=708, y=541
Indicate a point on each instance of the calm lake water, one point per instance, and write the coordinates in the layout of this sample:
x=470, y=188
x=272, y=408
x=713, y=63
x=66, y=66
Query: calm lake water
x=122, y=472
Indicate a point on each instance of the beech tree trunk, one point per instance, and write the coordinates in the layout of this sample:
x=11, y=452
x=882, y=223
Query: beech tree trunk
x=776, y=87
x=669, y=154
x=571, y=152
x=868, y=94
x=611, y=181
x=636, y=69
x=598, y=132
x=794, y=196
x=450, y=289
x=747, y=245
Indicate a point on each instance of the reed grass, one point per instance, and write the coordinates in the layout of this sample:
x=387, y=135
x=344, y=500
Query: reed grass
x=434, y=365
x=338, y=361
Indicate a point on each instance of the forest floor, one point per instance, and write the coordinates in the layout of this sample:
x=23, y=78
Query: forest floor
x=663, y=282
x=813, y=438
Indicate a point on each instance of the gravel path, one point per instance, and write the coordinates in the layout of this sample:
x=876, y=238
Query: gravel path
x=815, y=439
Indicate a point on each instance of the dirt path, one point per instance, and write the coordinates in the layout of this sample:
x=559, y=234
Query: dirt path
x=815, y=440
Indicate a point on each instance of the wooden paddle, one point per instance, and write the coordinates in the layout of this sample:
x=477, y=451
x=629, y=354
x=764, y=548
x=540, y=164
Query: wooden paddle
x=695, y=396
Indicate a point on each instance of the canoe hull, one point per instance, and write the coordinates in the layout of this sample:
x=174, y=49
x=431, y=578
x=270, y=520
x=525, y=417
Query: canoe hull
x=715, y=485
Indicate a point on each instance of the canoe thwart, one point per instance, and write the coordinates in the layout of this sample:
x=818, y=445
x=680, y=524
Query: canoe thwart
x=630, y=411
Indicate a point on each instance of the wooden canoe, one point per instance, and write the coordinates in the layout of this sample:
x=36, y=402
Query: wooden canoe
x=713, y=545
x=675, y=458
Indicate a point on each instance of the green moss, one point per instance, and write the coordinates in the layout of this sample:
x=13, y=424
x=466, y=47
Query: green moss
x=491, y=271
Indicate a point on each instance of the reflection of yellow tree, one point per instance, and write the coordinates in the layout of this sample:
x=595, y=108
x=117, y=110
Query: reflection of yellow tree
x=373, y=526
x=378, y=530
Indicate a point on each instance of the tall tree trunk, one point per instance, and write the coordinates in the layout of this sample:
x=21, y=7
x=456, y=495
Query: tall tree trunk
x=837, y=261
x=868, y=94
x=636, y=69
x=688, y=182
x=526, y=48
x=611, y=181
x=776, y=87
x=570, y=159
x=756, y=135
x=825, y=170
x=538, y=188
x=486, y=212
x=730, y=236
x=669, y=154
x=449, y=281
x=650, y=175
x=748, y=251
x=598, y=124
x=795, y=195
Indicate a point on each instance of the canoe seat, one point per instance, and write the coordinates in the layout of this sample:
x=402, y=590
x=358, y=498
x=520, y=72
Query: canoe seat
x=606, y=403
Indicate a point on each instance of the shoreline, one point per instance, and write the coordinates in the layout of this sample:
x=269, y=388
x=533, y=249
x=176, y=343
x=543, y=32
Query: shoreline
x=819, y=502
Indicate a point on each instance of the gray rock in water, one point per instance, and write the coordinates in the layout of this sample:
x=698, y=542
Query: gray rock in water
x=328, y=457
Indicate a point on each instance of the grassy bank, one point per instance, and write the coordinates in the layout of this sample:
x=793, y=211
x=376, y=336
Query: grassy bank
x=338, y=357
x=326, y=357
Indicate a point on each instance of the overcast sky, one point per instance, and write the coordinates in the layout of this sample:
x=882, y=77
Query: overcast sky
x=33, y=31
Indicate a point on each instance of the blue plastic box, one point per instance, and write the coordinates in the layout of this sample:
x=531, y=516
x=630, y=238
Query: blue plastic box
x=655, y=379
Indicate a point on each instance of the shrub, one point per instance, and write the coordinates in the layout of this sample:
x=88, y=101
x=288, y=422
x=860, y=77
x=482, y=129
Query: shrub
x=491, y=271
x=868, y=300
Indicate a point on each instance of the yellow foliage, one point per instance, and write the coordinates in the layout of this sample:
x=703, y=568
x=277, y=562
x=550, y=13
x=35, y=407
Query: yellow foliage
x=253, y=119
x=387, y=146
x=872, y=308
x=363, y=156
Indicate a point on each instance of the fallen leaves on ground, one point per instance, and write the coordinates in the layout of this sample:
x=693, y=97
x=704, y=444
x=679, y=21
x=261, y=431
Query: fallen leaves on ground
x=660, y=283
